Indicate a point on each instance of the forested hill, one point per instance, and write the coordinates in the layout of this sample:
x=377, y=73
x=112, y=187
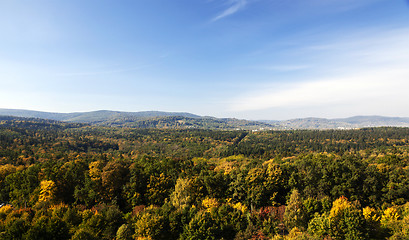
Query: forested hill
x=148, y=119
x=183, y=120
x=92, y=117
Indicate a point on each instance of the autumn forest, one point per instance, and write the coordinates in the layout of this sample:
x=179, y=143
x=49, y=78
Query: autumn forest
x=76, y=181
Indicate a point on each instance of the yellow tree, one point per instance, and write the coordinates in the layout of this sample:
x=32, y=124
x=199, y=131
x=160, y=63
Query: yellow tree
x=47, y=191
x=181, y=197
x=346, y=220
x=95, y=170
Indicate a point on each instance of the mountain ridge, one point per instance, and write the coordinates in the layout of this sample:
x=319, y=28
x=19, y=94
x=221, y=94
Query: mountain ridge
x=183, y=120
x=90, y=116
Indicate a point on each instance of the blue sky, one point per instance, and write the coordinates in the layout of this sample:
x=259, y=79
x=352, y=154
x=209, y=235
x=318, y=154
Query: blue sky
x=252, y=59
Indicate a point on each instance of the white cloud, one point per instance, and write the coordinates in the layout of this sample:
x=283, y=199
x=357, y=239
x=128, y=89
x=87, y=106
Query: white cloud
x=369, y=70
x=234, y=6
x=363, y=88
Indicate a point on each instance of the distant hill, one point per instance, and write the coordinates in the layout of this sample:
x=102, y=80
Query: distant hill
x=340, y=123
x=34, y=114
x=180, y=122
x=183, y=120
x=91, y=117
x=374, y=121
x=310, y=123
x=146, y=119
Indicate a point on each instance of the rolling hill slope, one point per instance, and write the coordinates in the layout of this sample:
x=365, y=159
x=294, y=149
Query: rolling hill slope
x=146, y=119
x=183, y=120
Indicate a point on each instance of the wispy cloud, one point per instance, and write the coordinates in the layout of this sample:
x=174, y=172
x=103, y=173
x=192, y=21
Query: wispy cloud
x=364, y=88
x=368, y=70
x=234, y=6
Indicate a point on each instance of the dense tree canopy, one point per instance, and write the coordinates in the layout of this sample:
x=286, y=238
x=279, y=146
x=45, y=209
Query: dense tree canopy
x=74, y=181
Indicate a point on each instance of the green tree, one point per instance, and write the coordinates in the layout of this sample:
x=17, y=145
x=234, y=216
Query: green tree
x=114, y=176
x=294, y=215
x=182, y=195
x=124, y=232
